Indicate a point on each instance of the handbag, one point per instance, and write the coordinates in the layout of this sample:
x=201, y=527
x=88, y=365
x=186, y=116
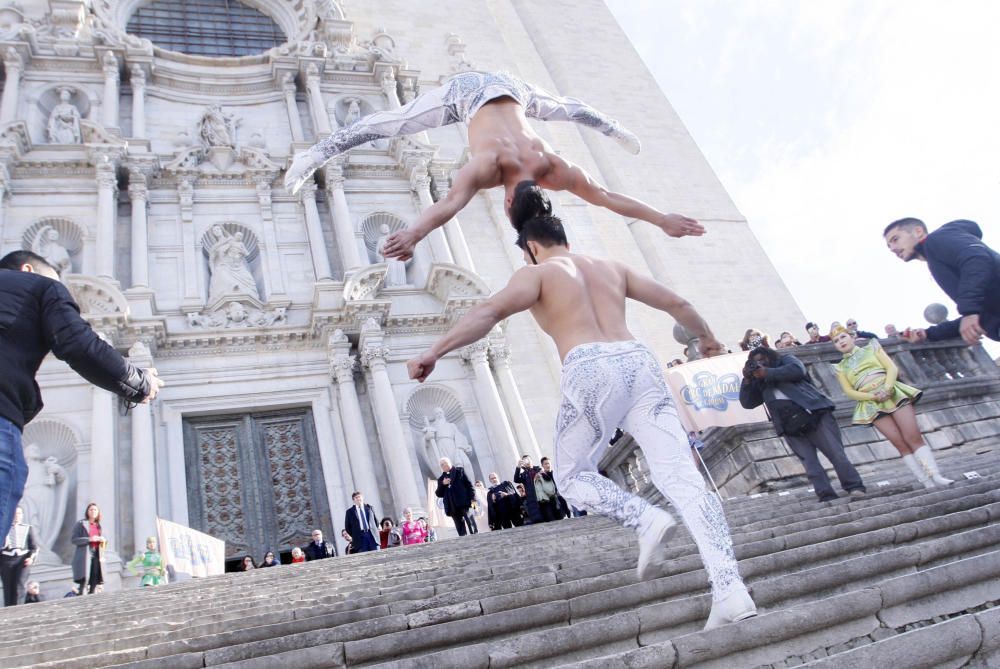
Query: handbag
x=795, y=420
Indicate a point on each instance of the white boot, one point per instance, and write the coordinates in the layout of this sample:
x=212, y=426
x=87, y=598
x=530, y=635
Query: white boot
x=918, y=471
x=656, y=526
x=303, y=165
x=732, y=608
x=925, y=456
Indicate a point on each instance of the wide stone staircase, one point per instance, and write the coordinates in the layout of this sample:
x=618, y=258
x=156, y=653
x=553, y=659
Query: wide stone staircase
x=905, y=577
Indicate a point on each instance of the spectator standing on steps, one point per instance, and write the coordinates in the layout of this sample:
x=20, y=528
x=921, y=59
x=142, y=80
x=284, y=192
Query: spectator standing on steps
x=525, y=475
x=549, y=502
x=502, y=503
x=801, y=414
x=361, y=523
x=16, y=556
x=457, y=492
x=318, y=549
x=90, y=545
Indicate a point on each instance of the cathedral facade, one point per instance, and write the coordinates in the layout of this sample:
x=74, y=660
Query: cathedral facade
x=142, y=148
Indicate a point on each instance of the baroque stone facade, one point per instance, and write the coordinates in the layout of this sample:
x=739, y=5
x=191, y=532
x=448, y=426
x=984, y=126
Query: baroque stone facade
x=153, y=179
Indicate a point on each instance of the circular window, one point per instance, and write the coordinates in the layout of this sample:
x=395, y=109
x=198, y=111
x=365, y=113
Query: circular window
x=206, y=27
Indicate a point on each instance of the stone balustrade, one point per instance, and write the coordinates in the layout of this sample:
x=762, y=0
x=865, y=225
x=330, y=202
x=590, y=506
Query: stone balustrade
x=960, y=408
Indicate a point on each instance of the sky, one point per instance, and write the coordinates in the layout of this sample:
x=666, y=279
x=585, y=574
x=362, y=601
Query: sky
x=825, y=121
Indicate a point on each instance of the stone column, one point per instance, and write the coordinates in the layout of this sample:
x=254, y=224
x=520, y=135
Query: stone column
x=138, y=81
x=4, y=190
x=143, y=460
x=505, y=449
x=526, y=441
x=110, y=105
x=452, y=230
x=139, y=196
x=192, y=292
x=321, y=119
x=13, y=67
x=107, y=192
x=398, y=460
x=420, y=183
x=314, y=230
x=342, y=366
x=270, y=260
x=102, y=462
x=292, y=107
x=343, y=226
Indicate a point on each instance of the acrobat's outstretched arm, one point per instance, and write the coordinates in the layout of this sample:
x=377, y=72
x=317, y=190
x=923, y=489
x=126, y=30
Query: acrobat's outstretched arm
x=567, y=176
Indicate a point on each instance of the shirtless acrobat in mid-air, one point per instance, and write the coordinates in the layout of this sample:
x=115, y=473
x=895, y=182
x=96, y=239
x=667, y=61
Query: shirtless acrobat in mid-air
x=611, y=380
x=504, y=148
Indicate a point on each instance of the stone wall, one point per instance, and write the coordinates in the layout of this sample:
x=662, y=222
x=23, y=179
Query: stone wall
x=960, y=408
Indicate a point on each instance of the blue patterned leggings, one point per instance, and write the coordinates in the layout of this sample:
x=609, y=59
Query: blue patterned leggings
x=619, y=384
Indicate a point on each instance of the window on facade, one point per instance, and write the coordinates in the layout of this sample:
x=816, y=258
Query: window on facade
x=206, y=27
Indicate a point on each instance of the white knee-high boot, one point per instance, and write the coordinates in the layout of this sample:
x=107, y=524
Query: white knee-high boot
x=917, y=470
x=925, y=456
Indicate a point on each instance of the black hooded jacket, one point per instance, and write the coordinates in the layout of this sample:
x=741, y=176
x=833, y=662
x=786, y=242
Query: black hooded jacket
x=38, y=315
x=968, y=271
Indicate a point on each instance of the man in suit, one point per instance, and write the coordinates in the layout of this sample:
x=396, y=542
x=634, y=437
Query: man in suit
x=19, y=550
x=502, y=503
x=361, y=523
x=455, y=488
x=319, y=549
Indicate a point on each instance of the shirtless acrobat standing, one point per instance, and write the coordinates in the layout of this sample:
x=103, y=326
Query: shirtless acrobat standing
x=611, y=380
x=505, y=150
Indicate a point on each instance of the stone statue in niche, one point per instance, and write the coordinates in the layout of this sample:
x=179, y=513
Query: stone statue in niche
x=353, y=111
x=227, y=261
x=64, y=121
x=396, y=275
x=444, y=440
x=217, y=128
x=45, y=494
x=47, y=245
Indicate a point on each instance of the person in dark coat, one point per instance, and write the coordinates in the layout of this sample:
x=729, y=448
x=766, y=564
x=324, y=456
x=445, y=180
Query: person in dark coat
x=455, y=489
x=802, y=414
x=361, y=523
x=317, y=549
x=502, y=504
x=525, y=474
x=37, y=315
x=19, y=549
x=90, y=545
x=967, y=270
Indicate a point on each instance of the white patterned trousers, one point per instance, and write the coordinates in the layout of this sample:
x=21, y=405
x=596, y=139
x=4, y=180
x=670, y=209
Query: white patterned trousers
x=458, y=99
x=619, y=384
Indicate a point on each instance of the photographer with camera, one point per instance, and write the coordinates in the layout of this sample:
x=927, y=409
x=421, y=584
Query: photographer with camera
x=525, y=475
x=801, y=414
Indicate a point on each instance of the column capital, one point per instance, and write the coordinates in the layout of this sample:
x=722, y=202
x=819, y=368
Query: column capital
x=264, y=195
x=441, y=183
x=308, y=192
x=106, y=175
x=500, y=353
x=137, y=77
x=475, y=352
x=288, y=83
x=313, y=75
x=374, y=356
x=419, y=178
x=342, y=367
x=109, y=64
x=137, y=187
x=335, y=176
x=13, y=60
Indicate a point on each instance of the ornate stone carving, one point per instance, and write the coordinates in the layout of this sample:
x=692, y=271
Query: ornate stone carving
x=342, y=367
x=47, y=245
x=137, y=188
x=289, y=476
x=228, y=262
x=395, y=269
x=288, y=83
x=222, y=487
x=64, y=121
x=450, y=281
x=138, y=77
x=107, y=177
x=475, y=352
x=238, y=315
x=216, y=128
x=456, y=50
x=374, y=356
x=443, y=439
x=110, y=65
x=365, y=283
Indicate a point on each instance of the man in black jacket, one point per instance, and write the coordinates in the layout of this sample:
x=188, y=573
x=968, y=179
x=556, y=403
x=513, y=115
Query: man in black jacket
x=525, y=475
x=455, y=488
x=502, y=504
x=38, y=315
x=965, y=268
x=361, y=523
x=802, y=414
x=317, y=549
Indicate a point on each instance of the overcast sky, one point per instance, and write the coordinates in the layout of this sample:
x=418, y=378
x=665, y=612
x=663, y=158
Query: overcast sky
x=827, y=120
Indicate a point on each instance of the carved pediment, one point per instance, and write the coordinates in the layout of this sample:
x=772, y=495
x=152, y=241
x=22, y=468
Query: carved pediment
x=101, y=301
x=366, y=283
x=14, y=136
x=447, y=281
x=96, y=134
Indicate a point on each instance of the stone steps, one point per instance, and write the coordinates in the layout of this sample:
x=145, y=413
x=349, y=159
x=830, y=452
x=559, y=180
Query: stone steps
x=565, y=594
